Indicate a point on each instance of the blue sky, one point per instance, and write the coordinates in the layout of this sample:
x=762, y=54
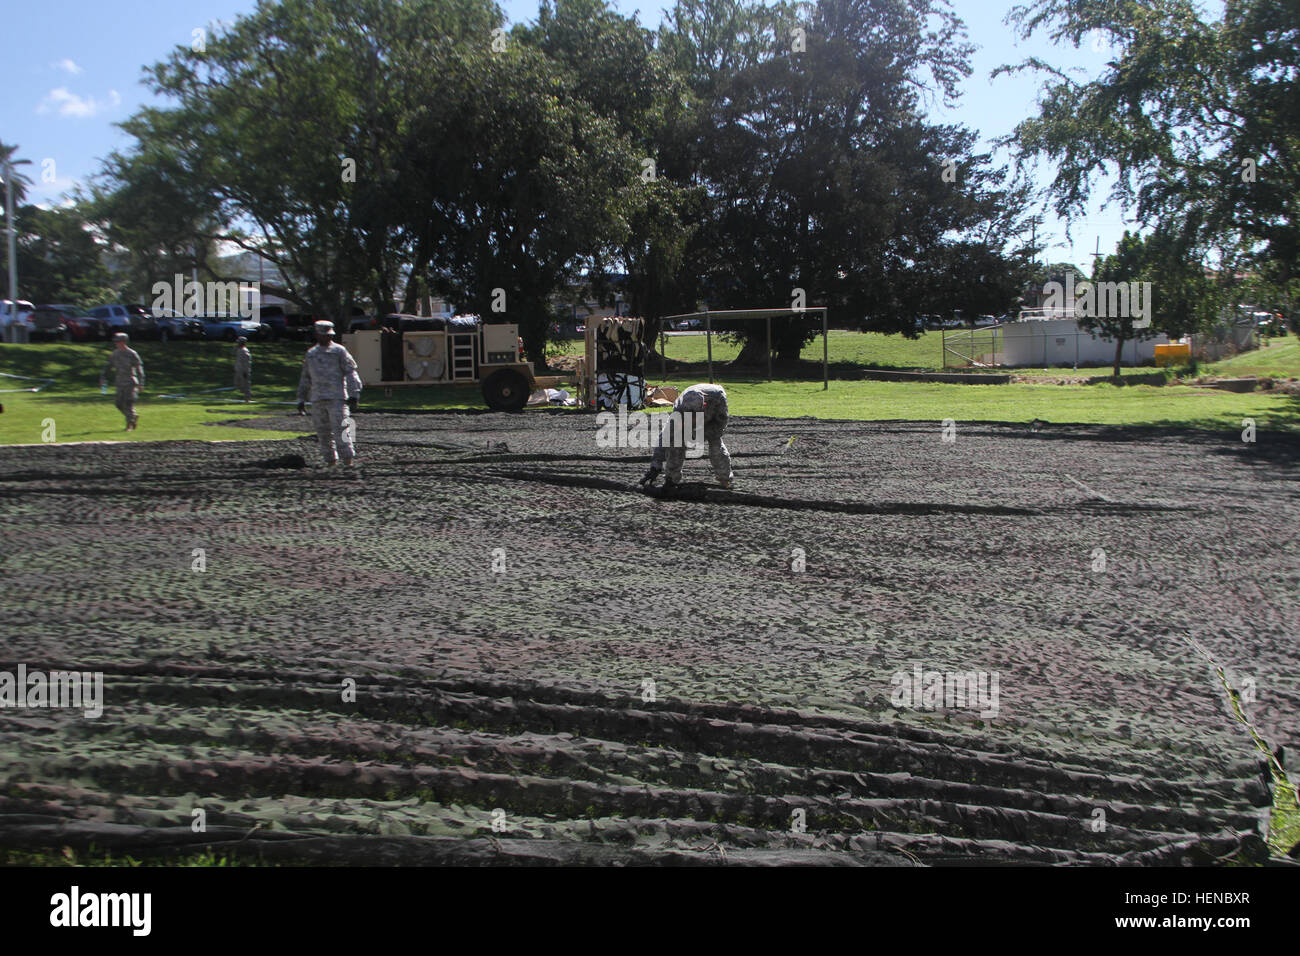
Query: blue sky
x=77, y=67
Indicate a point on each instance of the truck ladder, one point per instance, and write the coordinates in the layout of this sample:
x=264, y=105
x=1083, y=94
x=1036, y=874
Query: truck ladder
x=462, y=355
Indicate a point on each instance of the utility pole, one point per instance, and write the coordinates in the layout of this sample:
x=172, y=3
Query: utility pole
x=13, y=247
x=13, y=243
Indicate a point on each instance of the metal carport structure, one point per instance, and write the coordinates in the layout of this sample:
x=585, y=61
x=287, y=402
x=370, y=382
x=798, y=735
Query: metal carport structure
x=748, y=314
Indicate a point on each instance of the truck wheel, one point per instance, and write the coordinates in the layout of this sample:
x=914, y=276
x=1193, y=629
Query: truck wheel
x=505, y=391
x=229, y=335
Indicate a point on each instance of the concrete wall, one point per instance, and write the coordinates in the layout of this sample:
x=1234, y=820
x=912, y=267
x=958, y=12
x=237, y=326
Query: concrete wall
x=1060, y=342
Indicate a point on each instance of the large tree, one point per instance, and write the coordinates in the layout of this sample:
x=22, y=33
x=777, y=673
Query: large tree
x=1197, y=119
x=523, y=186
x=619, y=71
x=59, y=258
x=287, y=138
x=822, y=172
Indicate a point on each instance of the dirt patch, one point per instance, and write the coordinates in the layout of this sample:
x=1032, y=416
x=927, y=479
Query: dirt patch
x=552, y=667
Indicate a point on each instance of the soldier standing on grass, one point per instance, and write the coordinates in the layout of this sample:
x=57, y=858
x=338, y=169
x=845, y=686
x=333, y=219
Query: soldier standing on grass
x=128, y=374
x=243, y=369
x=330, y=381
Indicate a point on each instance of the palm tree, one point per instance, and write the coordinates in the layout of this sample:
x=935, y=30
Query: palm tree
x=16, y=191
x=21, y=182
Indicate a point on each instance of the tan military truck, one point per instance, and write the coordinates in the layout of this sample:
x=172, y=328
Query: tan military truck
x=461, y=350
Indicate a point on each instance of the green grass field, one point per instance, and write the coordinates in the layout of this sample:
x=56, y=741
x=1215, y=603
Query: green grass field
x=868, y=349
x=194, y=372
x=189, y=391
x=1280, y=358
x=1083, y=404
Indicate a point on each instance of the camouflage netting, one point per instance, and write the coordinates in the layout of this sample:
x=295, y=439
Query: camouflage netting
x=632, y=679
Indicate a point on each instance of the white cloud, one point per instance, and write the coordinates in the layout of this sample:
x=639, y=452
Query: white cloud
x=77, y=107
x=68, y=65
x=60, y=184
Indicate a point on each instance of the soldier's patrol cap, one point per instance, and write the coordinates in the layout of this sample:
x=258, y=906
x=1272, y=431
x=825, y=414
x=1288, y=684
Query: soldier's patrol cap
x=691, y=402
x=241, y=340
x=121, y=337
x=324, y=327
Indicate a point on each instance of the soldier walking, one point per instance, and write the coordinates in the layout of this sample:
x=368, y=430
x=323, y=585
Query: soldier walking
x=128, y=374
x=243, y=369
x=330, y=381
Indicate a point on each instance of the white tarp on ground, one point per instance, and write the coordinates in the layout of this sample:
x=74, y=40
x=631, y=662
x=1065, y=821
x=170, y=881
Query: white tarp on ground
x=551, y=396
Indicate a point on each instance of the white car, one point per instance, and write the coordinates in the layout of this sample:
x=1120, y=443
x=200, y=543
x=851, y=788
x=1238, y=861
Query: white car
x=8, y=317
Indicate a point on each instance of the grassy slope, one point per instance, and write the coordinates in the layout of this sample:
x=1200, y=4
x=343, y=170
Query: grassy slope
x=1279, y=358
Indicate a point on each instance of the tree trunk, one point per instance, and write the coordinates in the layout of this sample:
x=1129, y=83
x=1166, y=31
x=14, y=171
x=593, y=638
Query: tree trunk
x=753, y=352
x=1119, y=349
x=534, y=329
x=416, y=287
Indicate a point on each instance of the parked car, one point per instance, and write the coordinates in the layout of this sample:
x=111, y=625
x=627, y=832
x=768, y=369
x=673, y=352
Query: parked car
x=135, y=320
x=274, y=318
x=173, y=325
x=69, y=323
x=298, y=325
x=10, y=318
x=231, y=327
x=48, y=324
x=1270, y=323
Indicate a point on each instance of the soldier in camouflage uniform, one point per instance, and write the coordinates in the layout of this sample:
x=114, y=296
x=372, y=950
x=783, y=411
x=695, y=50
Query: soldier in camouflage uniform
x=330, y=381
x=711, y=400
x=243, y=369
x=128, y=374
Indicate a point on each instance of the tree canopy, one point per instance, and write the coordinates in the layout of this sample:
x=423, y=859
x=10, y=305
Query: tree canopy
x=744, y=154
x=1197, y=120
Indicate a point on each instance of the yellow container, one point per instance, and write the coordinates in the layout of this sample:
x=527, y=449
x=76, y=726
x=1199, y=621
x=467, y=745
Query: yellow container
x=1173, y=354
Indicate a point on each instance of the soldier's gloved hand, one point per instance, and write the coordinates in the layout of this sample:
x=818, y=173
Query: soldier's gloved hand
x=302, y=408
x=352, y=405
x=650, y=477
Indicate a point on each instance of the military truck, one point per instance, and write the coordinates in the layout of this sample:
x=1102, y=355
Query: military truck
x=437, y=350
